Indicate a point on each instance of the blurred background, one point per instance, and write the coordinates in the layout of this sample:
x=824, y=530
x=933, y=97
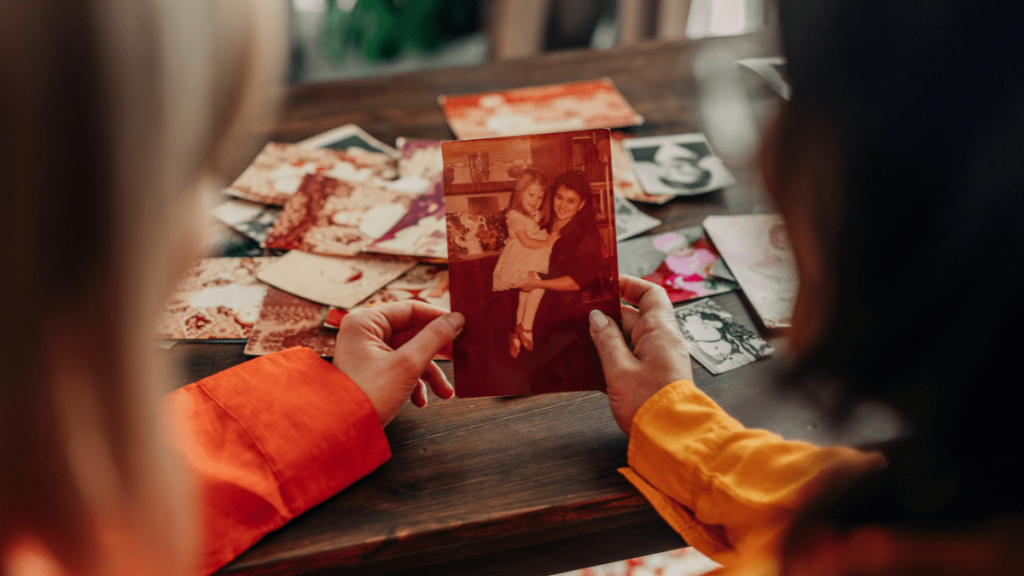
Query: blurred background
x=337, y=39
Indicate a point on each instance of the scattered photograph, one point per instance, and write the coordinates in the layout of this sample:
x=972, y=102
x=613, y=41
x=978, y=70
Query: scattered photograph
x=539, y=110
x=420, y=233
x=531, y=249
x=335, y=217
x=341, y=282
x=685, y=273
x=279, y=169
x=222, y=241
x=639, y=257
x=426, y=283
x=253, y=219
x=773, y=70
x=218, y=299
x=630, y=221
x=716, y=339
x=625, y=182
x=420, y=158
x=678, y=165
x=721, y=270
x=759, y=255
x=286, y=321
x=347, y=137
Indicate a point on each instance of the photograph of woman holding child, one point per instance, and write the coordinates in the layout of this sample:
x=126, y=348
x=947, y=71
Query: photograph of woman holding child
x=528, y=299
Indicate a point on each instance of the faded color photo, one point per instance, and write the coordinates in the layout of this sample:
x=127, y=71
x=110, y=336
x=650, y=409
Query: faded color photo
x=539, y=110
x=531, y=244
x=759, y=255
x=279, y=169
x=218, y=299
x=336, y=217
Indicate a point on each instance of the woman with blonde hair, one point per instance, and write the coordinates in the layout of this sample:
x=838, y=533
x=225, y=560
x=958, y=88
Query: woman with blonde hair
x=117, y=117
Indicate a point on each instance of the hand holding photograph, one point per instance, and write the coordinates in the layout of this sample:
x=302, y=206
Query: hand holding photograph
x=531, y=249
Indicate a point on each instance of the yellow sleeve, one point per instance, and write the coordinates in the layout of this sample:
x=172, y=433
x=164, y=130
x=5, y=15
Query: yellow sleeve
x=723, y=487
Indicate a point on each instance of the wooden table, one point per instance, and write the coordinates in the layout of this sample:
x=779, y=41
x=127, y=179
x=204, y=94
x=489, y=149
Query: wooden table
x=523, y=485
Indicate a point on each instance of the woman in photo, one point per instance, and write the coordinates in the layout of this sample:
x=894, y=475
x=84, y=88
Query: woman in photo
x=527, y=250
x=574, y=267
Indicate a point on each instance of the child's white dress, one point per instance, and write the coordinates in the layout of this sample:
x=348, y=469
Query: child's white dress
x=517, y=261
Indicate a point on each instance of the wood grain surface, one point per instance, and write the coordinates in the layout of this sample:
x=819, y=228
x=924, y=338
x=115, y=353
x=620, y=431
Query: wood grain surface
x=522, y=485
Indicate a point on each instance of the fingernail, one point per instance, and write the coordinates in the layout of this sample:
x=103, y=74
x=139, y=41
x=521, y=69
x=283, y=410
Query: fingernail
x=597, y=320
x=456, y=320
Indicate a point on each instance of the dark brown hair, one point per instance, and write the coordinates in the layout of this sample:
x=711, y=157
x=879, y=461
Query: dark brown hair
x=910, y=114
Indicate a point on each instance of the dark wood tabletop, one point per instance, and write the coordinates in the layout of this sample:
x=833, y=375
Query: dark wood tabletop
x=524, y=485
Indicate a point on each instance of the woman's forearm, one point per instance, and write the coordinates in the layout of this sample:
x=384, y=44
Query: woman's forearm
x=560, y=284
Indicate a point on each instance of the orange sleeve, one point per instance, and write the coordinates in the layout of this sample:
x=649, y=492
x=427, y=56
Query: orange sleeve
x=723, y=487
x=269, y=439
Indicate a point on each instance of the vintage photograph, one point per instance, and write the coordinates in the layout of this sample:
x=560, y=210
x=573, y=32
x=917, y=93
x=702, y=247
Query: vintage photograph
x=420, y=233
x=346, y=138
x=337, y=217
x=342, y=282
x=426, y=283
x=539, y=110
x=759, y=255
x=218, y=299
x=286, y=321
x=531, y=249
x=279, y=169
x=624, y=175
x=686, y=271
x=716, y=339
x=253, y=219
x=678, y=165
x=629, y=220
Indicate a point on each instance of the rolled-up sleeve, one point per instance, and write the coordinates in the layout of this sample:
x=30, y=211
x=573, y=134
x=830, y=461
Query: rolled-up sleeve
x=720, y=485
x=270, y=438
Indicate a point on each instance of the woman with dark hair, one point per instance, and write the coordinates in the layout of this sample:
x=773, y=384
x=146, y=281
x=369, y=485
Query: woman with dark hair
x=561, y=324
x=875, y=183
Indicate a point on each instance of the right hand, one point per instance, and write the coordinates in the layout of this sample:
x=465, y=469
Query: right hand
x=387, y=351
x=653, y=356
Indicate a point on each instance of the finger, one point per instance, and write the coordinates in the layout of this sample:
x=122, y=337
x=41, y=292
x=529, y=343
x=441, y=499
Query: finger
x=611, y=346
x=419, y=394
x=438, y=382
x=630, y=316
x=421, y=348
x=407, y=314
x=646, y=295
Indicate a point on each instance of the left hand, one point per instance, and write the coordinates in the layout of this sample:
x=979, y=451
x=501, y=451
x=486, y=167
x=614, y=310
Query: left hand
x=388, y=350
x=647, y=355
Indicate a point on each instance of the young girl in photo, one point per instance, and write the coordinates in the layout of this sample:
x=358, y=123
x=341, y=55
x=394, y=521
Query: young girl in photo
x=527, y=250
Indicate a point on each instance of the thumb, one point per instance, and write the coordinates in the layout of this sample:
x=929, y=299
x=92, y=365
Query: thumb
x=439, y=333
x=611, y=346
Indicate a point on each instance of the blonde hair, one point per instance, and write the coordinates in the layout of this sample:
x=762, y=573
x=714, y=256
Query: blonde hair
x=115, y=114
x=528, y=178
